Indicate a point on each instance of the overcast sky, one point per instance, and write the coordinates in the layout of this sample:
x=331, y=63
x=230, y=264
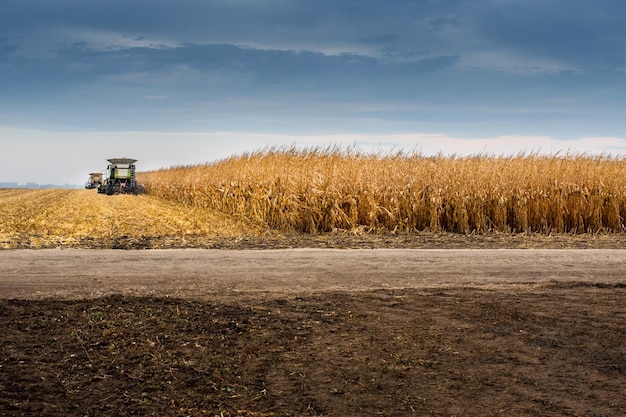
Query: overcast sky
x=191, y=81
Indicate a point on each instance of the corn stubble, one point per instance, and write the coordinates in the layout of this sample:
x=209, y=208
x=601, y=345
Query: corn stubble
x=67, y=218
x=321, y=190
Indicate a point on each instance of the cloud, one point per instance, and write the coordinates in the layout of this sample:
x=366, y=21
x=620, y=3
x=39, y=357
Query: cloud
x=402, y=28
x=195, y=71
x=568, y=31
x=6, y=48
x=464, y=68
x=515, y=35
x=513, y=62
x=101, y=40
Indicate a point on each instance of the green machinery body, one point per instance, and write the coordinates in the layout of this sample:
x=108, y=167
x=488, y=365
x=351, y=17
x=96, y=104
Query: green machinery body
x=120, y=178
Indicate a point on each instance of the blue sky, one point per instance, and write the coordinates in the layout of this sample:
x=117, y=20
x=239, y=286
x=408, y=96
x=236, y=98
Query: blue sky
x=191, y=81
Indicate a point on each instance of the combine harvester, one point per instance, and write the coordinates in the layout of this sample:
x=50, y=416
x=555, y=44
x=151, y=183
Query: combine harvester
x=94, y=181
x=120, y=178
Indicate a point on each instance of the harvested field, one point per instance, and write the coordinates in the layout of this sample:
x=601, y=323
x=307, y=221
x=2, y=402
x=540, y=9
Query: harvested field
x=82, y=218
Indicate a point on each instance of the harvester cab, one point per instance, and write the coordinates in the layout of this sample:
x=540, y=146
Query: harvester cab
x=120, y=178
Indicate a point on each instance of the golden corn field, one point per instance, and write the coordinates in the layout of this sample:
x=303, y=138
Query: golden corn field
x=320, y=190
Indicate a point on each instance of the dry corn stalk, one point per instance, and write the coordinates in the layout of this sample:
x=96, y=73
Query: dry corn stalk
x=322, y=189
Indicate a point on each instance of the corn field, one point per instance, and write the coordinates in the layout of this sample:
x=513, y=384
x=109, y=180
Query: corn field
x=320, y=190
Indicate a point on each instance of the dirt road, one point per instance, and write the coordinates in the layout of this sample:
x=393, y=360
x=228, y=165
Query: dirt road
x=76, y=273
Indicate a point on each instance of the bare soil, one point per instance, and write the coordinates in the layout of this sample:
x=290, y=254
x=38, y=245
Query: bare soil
x=333, y=240
x=314, y=332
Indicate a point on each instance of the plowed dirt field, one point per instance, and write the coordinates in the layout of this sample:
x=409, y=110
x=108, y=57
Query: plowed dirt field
x=298, y=332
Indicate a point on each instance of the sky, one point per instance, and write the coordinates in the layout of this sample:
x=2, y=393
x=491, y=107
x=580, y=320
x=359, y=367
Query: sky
x=182, y=82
